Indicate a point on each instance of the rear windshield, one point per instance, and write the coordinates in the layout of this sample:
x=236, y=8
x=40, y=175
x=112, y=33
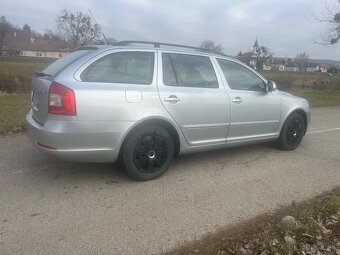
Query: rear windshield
x=57, y=66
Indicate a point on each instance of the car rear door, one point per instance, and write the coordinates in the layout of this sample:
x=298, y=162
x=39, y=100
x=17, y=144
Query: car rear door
x=195, y=96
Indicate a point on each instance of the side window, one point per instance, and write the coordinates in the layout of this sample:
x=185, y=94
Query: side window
x=122, y=67
x=188, y=71
x=240, y=77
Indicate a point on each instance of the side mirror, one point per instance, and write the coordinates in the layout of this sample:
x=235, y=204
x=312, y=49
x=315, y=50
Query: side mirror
x=271, y=86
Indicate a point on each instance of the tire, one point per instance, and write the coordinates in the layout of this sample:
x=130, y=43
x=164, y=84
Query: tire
x=292, y=132
x=148, y=153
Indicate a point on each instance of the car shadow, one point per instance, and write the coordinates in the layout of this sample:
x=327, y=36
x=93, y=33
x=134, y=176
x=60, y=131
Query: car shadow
x=113, y=173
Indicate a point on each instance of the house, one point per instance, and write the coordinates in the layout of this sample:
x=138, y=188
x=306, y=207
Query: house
x=312, y=67
x=266, y=66
x=250, y=58
x=278, y=64
x=324, y=67
x=291, y=66
x=245, y=57
x=20, y=43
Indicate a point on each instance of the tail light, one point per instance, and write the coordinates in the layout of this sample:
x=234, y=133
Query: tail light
x=61, y=100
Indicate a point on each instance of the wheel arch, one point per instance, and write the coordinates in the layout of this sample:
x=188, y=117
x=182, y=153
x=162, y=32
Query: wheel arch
x=156, y=121
x=300, y=111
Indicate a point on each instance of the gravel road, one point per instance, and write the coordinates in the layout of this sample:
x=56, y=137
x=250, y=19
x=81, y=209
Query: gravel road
x=53, y=207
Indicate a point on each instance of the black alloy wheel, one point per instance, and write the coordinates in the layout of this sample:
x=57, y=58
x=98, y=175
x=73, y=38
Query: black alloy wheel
x=148, y=153
x=292, y=132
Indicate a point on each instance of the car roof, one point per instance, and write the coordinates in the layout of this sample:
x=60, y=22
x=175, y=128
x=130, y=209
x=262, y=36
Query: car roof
x=144, y=45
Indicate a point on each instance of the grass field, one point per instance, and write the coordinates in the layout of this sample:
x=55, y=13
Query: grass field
x=302, y=80
x=24, y=65
x=320, y=98
x=13, y=109
x=16, y=73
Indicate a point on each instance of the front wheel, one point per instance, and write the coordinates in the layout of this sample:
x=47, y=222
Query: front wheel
x=292, y=132
x=148, y=153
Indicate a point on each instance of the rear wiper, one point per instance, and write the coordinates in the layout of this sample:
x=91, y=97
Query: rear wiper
x=41, y=74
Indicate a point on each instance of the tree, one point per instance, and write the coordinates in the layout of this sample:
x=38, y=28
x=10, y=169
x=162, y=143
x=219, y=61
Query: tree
x=333, y=69
x=301, y=60
x=263, y=55
x=331, y=16
x=52, y=36
x=334, y=30
x=5, y=27
x=210, y=45
x=78, y=28
x=26, y=28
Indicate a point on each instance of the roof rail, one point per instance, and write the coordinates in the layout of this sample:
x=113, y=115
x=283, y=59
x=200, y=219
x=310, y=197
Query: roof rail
x=158, y=45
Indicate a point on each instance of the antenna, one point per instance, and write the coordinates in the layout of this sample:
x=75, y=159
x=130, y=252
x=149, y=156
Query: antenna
x=107, y=42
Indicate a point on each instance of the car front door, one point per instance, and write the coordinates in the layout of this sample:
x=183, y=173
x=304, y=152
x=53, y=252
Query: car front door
x=194, y=96
x=255, y=112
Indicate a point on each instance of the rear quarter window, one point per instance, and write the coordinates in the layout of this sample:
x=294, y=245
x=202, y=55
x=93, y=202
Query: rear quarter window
x=122, y=67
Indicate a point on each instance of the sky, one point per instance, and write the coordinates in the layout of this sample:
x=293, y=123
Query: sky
x=285, y=27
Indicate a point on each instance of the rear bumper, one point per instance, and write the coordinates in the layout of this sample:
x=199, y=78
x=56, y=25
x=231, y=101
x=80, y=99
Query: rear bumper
x=96, y=141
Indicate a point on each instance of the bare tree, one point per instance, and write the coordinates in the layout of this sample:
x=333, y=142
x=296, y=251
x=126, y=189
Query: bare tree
x=331, y=16
x=210, y=45
x=110, y=41
x=301, y=60
x=51, y=35
x=78, y=28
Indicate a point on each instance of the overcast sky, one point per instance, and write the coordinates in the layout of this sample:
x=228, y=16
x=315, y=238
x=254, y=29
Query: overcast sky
x=285, y=27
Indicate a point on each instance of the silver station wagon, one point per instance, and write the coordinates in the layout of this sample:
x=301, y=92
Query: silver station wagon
x=144, y=103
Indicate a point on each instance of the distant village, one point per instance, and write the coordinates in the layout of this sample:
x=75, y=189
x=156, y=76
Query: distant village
x=300, y=63
x=21, y=43
x=25, y=44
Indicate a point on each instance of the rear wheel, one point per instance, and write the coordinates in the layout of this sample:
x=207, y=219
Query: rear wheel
x=148, y=153
x=292, y=132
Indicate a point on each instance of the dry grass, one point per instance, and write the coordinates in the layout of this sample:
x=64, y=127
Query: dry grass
x=316, y=231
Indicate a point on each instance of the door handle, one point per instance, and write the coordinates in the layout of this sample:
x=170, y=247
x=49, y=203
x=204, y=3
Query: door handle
x=172, y=99
x=237, y=100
